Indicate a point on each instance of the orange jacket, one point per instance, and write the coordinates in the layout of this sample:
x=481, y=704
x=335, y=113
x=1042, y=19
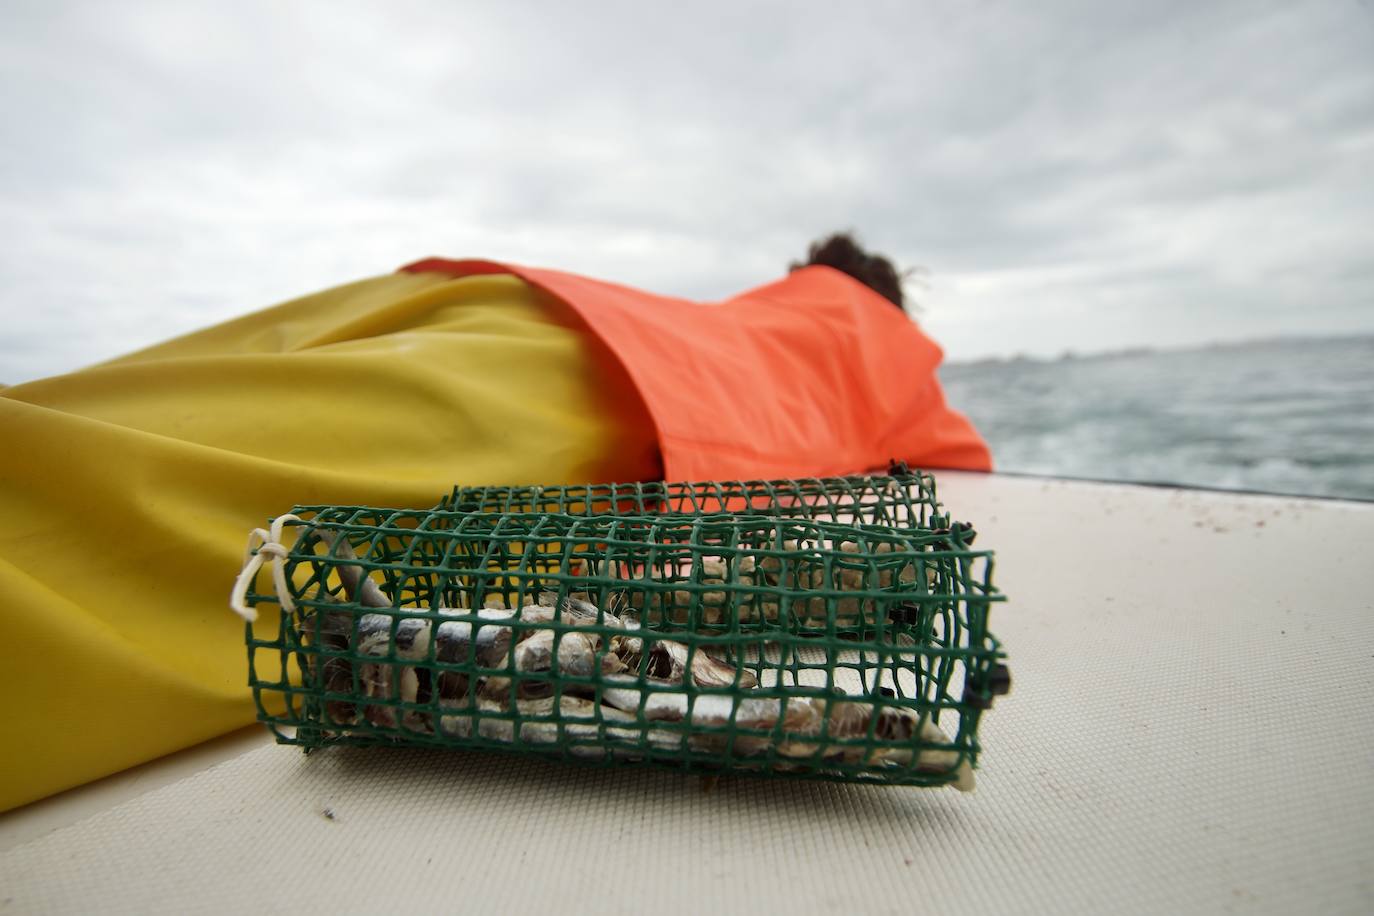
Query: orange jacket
x=812, y=375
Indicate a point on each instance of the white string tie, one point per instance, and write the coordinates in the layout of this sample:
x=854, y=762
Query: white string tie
x=262, y=546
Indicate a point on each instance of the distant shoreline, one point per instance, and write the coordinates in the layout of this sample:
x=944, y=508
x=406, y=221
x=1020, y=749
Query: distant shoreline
x=1069, y=355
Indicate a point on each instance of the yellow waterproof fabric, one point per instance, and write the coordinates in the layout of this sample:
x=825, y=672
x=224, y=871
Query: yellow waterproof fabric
x=127, y=490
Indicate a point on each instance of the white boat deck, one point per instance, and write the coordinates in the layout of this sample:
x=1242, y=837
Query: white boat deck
x=1190, y=730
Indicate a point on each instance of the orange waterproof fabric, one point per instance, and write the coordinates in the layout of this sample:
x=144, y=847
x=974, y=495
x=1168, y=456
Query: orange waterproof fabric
x=814, y=374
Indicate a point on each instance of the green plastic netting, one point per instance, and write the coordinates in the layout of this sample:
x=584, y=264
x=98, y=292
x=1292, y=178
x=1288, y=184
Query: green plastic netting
x=905, y=499
x=801, y=639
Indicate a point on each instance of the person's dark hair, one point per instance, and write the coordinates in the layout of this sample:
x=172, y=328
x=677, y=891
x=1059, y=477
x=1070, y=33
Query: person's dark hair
x=843, y=252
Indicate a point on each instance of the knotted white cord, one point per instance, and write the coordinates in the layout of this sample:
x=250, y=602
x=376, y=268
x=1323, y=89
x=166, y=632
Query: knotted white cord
x=267, y=544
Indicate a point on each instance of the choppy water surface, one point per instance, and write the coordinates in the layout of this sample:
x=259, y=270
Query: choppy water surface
x=1292, y=416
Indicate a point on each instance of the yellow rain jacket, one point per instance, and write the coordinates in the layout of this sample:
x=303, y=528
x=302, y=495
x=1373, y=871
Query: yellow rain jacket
x=127, y=489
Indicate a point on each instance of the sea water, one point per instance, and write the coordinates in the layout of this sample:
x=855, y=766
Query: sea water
x=1287, y=416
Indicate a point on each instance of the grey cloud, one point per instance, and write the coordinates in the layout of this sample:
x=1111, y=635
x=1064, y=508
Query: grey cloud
x=1068, y=172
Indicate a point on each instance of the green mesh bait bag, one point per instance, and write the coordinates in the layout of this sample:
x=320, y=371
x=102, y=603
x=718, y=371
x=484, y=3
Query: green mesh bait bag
x=823, y=629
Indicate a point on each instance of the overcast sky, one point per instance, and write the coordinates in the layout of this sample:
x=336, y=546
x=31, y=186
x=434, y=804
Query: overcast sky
x=1079, y=175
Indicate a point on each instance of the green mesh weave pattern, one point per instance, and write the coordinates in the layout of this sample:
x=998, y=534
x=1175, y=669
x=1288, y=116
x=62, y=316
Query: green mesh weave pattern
x=904, y=500
x=772, y=644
